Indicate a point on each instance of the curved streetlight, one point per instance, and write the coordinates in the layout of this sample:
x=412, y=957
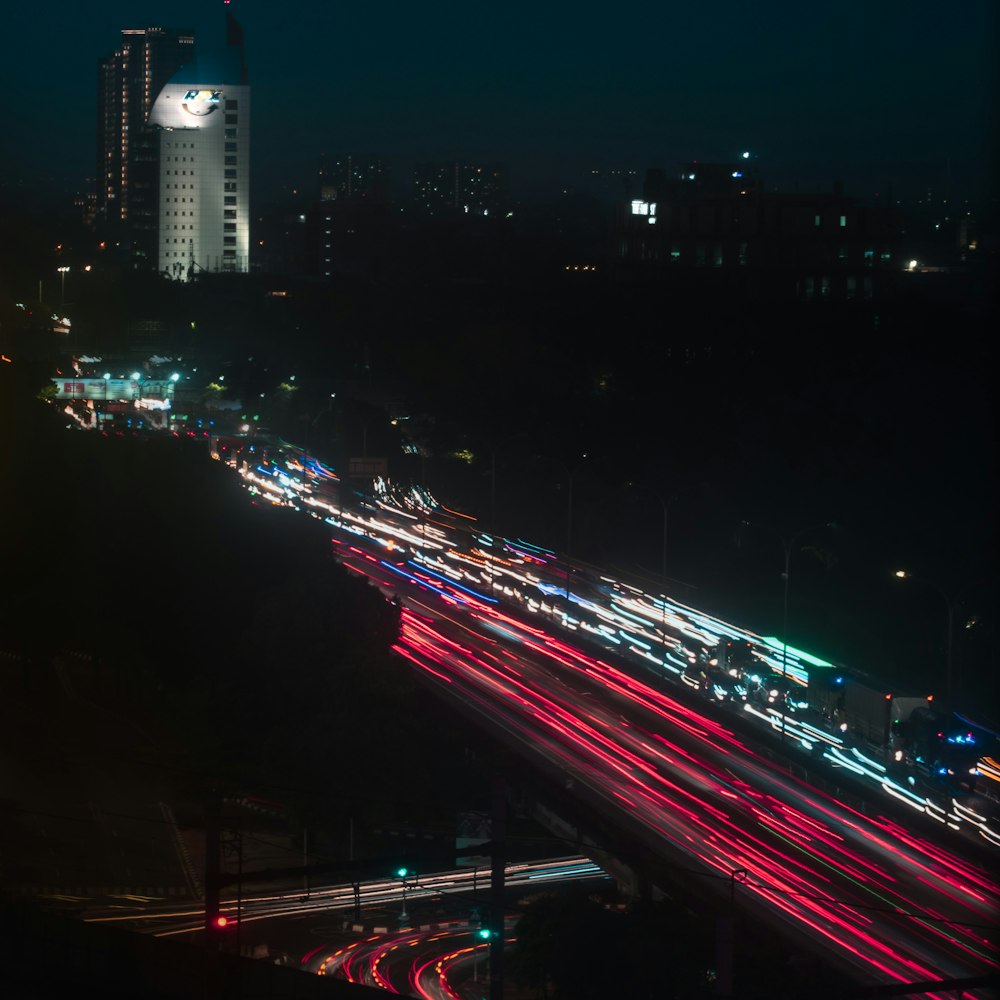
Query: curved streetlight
x=788, y=544
x=949, y=601
x=665, y=504
x=570, y=477
x=492, y=449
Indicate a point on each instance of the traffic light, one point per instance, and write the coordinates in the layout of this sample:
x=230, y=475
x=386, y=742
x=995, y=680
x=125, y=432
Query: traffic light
x=218, y=924
x=402, y=871
x=485, y=934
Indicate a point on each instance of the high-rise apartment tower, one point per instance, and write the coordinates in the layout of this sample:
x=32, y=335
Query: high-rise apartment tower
x=128, y=82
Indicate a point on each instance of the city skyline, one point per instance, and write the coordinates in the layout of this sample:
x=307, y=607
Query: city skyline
x=867, y=96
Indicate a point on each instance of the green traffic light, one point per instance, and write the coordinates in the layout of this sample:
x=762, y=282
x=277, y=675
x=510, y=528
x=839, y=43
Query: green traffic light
x=485, y=933
x=402, y=872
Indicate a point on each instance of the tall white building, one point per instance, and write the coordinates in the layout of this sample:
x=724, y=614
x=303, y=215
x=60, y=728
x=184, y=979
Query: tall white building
x=203, y=117
x=204, y=175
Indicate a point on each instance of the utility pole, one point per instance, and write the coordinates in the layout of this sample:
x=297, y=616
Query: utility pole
x=212, y=870
x=497, y=894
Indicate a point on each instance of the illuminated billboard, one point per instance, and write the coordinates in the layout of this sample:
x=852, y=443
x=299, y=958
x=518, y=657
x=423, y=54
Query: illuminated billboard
x=113, y=388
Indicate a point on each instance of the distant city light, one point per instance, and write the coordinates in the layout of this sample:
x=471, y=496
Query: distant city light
x=746, y=156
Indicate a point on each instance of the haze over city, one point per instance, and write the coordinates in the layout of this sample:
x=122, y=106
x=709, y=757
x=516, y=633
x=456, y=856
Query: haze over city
x=869, y=94
x=499, y=498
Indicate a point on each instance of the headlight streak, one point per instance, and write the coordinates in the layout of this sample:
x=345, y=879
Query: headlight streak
x=646, y=616
x=628, y=604
x=570, y=727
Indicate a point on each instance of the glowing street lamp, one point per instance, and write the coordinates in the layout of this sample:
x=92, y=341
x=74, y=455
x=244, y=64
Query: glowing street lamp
x=570, y=476
x=902, y=574
x=787, y=544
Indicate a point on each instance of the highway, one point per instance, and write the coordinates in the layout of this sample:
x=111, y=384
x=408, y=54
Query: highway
x=402, y=541
x=886, y=902
x=891, y=905
x=253, y=905
x=427, y=963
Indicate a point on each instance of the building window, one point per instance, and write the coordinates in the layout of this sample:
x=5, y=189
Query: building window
x=842, y=252
x=232, y=104
x=229, y=227
x=230, y=199
x=230, y=161
x=843, y=222
x=229, y=213
x=228, y=253
x=229, y=241
x=817, y=220
x=231, y=133
x=230, y=147
x=231, y=175
x=231, y=119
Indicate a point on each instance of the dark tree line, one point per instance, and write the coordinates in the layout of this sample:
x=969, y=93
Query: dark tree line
x=224, y=625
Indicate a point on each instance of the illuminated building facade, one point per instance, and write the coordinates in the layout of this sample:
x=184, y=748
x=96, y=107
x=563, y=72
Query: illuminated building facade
x=128, y=81
x=203, y=120
x=470, y=189
x=719, y=217
x=348, y=176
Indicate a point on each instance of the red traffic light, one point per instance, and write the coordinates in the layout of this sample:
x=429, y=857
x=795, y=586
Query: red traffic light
x=220, y=921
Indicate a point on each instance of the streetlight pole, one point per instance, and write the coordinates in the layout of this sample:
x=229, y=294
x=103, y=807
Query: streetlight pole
x=403, y=916
x=787, y=544
x=949, y=602
x=62, y=289
x=665, y=504
x=570, y=476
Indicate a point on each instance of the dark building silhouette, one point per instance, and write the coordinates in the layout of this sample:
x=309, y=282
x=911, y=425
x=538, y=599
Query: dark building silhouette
x=462, y=188
x=347, y=228
x=787, y=244
x=128, y=82
x=347, y=175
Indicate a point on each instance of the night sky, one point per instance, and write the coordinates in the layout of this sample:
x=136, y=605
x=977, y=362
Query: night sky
x=858, y=91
